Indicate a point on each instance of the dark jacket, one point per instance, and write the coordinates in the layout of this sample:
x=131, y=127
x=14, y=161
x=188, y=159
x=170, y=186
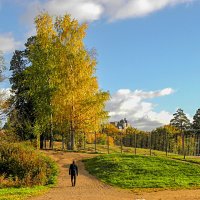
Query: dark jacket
x=73, y=169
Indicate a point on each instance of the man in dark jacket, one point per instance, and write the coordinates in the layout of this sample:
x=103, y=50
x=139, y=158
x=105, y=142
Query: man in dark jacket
x=73, y=171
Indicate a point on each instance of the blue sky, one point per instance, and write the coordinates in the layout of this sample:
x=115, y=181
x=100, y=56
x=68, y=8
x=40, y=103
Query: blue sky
x=148, y=51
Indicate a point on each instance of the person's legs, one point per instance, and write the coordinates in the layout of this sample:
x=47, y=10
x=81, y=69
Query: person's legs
x=72, y=179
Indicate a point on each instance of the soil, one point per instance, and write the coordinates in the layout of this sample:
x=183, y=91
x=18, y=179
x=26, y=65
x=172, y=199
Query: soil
x=89, y=188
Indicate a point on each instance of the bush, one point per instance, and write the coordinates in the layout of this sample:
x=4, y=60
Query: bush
x=22, y=166
x=8, y=136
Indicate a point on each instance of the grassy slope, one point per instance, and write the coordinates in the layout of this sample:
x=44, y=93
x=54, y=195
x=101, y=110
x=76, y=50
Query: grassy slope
x=21, y=193
x=129, y=171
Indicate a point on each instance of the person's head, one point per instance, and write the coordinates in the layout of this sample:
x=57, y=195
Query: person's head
x=73, y=162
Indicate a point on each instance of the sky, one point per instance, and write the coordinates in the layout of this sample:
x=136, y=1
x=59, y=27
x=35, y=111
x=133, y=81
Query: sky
x=148, y=51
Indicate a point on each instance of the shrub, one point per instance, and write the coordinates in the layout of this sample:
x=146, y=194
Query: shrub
x=22, y=166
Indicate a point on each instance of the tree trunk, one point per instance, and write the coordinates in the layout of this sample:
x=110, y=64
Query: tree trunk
x=41, y=141
x=63, y=142
x=95, y=141
x=108, y=143
x=38, y=141
x=72, y=140
x=198, y=144
x=51, y=134
x=84, y=143
x=183, y=144
x=45, y=143
x=166, y=142
x=72, y=129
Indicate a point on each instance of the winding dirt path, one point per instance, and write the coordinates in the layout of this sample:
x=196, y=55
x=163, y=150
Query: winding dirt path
x=89, y=188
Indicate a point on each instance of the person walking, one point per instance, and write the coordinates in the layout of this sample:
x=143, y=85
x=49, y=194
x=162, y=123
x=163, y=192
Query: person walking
x=73, y=171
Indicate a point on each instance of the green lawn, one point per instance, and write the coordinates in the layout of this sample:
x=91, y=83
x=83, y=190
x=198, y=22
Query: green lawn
x=129, y=171
x=21, y=193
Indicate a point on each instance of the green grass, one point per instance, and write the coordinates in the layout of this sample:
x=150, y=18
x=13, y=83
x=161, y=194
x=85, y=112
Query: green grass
x=21, y=193
x=129, y=171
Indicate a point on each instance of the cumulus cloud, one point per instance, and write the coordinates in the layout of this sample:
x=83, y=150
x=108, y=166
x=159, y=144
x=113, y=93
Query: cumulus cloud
x=90, y=10
x=8, y=43
x=134, y=106
x=83, y=10
x=137, y=8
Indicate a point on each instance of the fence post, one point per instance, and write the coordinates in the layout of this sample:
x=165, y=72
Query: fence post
x=150, y=142
x=135, y=143
x=166, y=139
x=95, y=142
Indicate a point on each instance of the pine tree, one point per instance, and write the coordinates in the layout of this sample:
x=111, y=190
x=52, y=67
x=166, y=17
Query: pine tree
x=196, y=121
x=196, y=127
x=181, y=122
x=21, y=115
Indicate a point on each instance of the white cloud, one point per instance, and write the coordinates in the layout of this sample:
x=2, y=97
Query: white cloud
x=80, y=9
x=134, y=106
x=8, y=43
x=83, y=10
x=137, y=8
x=90, y=10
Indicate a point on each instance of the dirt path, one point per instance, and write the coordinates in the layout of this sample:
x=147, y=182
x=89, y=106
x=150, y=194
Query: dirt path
x=89, y=188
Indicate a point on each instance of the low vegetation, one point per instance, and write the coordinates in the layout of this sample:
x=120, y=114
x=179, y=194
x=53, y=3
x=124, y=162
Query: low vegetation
x=24, y=172
x=129, y=171
x=21, y=165
x=21, y=193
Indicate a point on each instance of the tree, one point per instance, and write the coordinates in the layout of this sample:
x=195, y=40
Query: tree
x=76, y=98
x=132, y=134
x=54, y=81
x=196, y=127
x=112, y=132
x=61, y=77
x=181, y=122
x=196, y=121
x=20, y=115
x=165, y=138
x=38, y=79
x=23, y=111
x=3, y=98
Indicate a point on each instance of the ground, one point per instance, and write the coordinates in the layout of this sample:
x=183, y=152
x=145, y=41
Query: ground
x=89, y=188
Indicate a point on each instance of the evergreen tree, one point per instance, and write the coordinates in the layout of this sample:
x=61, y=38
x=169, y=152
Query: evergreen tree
x=21, y=115
x=181, y=122
x=196, y=121
x=196, y=127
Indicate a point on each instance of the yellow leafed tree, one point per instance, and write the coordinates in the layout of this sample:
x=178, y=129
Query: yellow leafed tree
x=76, y=98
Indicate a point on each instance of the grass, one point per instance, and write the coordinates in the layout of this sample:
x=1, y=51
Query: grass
x=130, y=171
x=21, y=193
